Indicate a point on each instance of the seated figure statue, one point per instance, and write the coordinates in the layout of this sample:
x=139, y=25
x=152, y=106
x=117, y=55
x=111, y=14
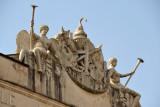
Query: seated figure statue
x=114, y=78
x=42, y=44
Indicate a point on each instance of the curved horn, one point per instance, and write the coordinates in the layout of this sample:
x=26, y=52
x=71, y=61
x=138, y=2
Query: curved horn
x=80, y=24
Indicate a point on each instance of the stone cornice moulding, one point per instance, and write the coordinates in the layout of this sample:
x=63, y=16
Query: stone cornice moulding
x=31, y=94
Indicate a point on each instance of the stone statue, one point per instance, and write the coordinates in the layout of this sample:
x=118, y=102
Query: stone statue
x=114, y=75
x=114, y=78
x=78, y=57
x=54, y=61
x=42, y=43
x=41, y=46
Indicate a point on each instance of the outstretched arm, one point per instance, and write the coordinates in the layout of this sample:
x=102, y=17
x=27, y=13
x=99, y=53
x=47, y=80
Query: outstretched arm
x=125, y=75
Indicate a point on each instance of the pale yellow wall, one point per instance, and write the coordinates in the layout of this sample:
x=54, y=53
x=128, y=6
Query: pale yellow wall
x=75, y=95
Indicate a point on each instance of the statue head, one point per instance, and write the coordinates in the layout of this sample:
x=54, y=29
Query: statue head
x=43, y=29
x=112, y=62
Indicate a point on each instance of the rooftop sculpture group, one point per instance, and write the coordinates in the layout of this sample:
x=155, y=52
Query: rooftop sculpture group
x=79, y=58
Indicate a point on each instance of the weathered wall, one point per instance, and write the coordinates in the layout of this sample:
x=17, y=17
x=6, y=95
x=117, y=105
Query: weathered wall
x=61, y=89
x=75, y=95
x=21, y=86
x=13, y=71
x=15, y=96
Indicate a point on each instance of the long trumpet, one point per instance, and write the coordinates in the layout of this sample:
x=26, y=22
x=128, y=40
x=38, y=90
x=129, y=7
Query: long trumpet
x=32, y=22
x=139, y=61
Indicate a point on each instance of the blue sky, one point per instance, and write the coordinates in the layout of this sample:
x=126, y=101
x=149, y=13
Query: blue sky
x=127, y=29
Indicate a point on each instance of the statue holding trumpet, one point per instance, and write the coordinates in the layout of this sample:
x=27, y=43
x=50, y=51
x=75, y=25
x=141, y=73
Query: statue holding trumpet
x=114, y=78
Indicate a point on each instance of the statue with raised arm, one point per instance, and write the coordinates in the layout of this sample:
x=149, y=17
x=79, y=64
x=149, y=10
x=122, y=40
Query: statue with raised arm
x=41, y=46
